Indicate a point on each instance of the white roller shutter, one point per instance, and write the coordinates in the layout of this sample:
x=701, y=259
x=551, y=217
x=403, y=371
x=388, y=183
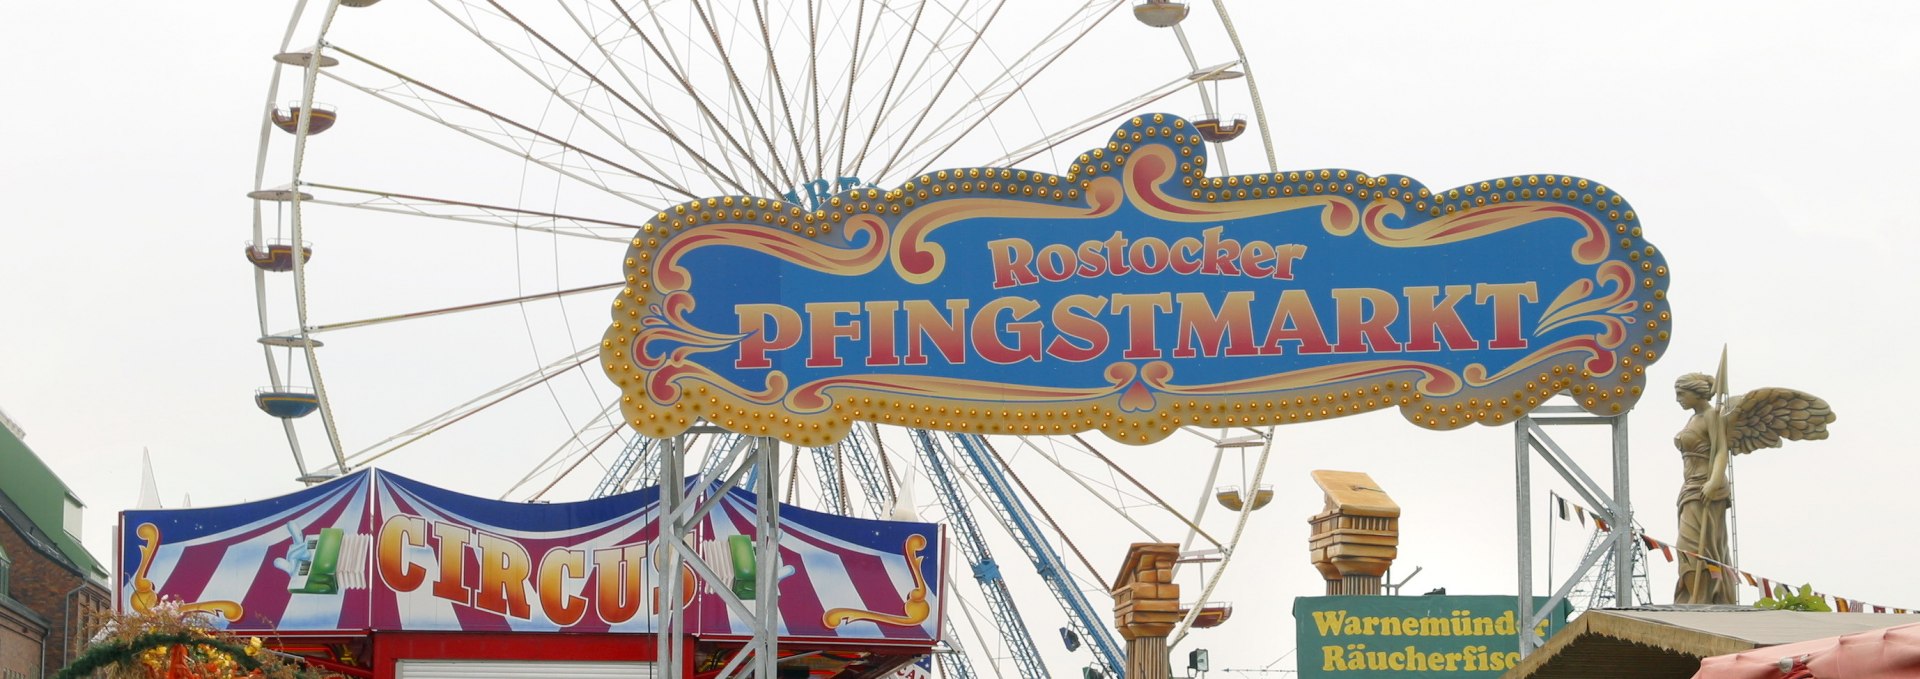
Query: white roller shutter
x=550, y=669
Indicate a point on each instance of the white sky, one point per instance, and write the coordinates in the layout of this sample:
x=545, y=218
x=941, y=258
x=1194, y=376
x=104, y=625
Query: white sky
x=1765, y=145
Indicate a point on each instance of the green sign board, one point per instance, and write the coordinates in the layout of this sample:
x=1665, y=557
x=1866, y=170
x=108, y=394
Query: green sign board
x=1403, y=637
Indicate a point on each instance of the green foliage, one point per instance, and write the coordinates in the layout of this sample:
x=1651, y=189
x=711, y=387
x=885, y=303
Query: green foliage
x=1784, y=599
x=112, y=652
x=143, y=644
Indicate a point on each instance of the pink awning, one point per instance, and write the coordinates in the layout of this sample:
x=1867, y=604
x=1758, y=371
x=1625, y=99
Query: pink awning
x=1889, y=652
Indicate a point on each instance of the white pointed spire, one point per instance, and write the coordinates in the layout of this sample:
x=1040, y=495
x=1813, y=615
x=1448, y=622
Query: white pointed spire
x=903, y=505
x=149, y=490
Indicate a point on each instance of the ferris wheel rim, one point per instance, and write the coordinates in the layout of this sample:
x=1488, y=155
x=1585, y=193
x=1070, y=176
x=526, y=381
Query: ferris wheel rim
x=326, y=404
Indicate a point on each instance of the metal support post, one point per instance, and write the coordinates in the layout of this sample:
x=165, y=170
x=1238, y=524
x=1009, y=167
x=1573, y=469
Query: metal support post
x=1623, y=547
x=1523, y=526
x=683, y=508
x=767, y=582
x=668, y=629
x=1615, y=507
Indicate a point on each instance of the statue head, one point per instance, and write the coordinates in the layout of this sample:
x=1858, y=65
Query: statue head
x=1697, y=385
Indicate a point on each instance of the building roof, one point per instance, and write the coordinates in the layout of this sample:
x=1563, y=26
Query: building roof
x=25, y=613
x=1670, y=641
x=37, y=496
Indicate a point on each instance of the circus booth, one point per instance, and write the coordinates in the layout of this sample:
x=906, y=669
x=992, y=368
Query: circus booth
x=377, y=575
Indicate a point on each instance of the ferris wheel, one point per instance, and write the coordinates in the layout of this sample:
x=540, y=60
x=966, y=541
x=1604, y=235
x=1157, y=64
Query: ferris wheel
x=434, y=248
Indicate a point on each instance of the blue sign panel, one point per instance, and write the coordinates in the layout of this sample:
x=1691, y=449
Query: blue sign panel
x=1134, y=295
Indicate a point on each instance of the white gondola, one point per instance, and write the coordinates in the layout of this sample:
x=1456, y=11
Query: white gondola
x=1160, y=13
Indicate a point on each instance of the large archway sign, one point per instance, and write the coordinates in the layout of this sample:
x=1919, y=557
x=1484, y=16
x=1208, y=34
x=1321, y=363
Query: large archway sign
x=1135, y=295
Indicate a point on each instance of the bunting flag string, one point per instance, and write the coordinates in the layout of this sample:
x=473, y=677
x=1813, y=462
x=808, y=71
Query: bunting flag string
x=1765, y=585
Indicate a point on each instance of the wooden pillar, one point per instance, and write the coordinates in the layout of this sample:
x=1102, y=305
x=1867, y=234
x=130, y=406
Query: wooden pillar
x=1357, y=536
x=1146, y=607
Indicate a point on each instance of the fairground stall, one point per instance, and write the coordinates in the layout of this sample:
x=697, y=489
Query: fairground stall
x=377, y=575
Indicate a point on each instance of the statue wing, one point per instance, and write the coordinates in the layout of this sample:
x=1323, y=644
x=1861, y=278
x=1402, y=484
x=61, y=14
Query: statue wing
x=1764, y=418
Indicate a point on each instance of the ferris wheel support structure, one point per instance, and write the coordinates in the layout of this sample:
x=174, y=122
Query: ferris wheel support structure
x=1085, y=619
x=1006, y=615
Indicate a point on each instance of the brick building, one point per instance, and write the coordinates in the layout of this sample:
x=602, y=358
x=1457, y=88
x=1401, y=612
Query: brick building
x=53, y=594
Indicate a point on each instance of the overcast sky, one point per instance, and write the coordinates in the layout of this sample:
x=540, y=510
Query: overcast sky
x=1765, y=145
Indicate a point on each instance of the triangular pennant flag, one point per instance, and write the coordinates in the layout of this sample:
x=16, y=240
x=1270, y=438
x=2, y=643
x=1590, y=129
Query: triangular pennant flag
x=1840, y=604
x=1561, y=504
x=1582, y=512
x=1599, y=522
x=1667, y=551
x=1766, y=587
x=1712, y=567
x=1879, y=609
x=1651, y=543
x=1749, y=577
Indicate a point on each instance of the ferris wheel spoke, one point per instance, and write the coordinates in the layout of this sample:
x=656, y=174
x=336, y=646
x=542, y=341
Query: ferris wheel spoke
x=582, y=70
x=577, y=68
x=979, y=36
x=900, y=98
x=736, y=152
x=813, y=81
x=853, y=76
x=1098, y=120
x=471, y=407
x=1083, y=482
x=521, y=140
x=913, y=28
x=780, y=88
x=974, y=110
x=477, y=306
x=739, y=92
x=866, y=57
x=1016, y=89
x=475, y=213
x=641, y=95
x=553, y=87
x=574, y=443
x=1034, y=501
x=970, y=612
x=1143, y=488
x=830, y=465
x=712, y=121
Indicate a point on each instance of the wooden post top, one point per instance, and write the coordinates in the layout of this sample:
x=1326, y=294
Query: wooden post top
x=1355, y=494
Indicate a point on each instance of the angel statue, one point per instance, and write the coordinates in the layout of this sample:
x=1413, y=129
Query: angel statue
x=1721, y=426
